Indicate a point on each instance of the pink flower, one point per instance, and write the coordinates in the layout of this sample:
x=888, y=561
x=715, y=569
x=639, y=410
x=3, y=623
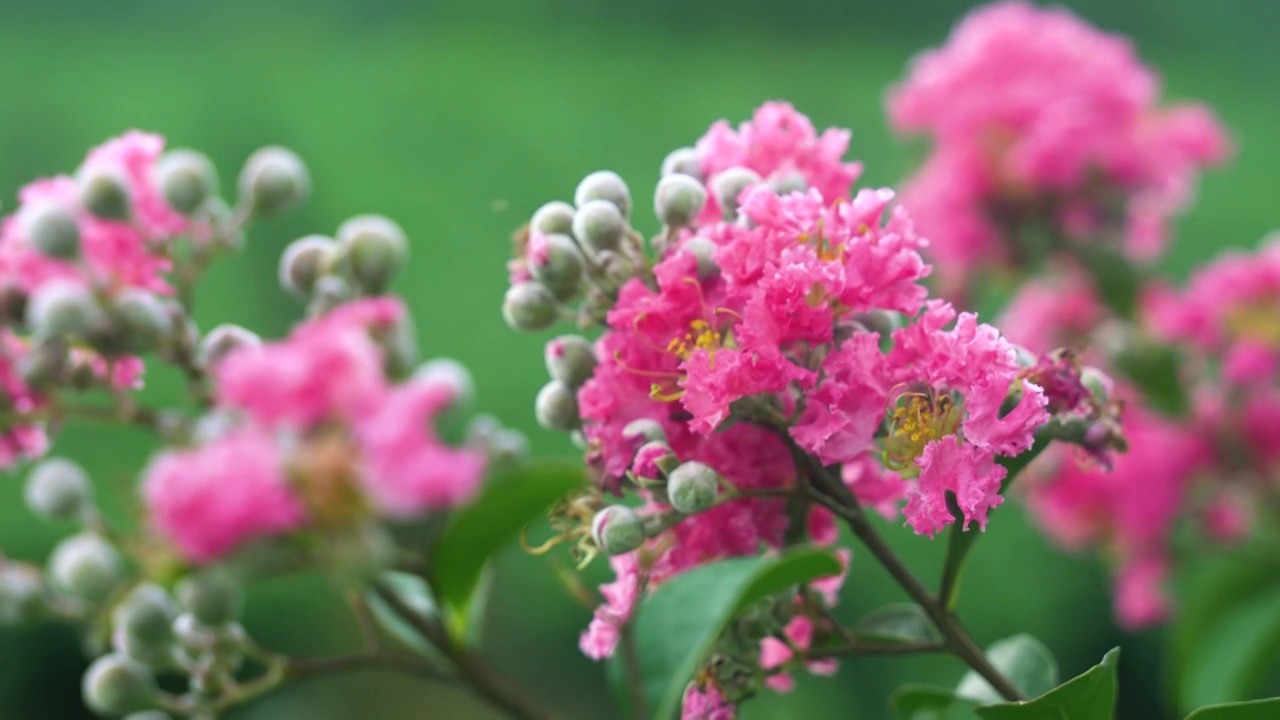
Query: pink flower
x=713, y=381
x=706, y=702
x=1058, y=311
x=1141, y=597
x=131, y=157
x=778, y=143
x=407, y=468
x=775, y=654
x=26, y=440
x=875, y=486
x=210, y=500
x=843, y=413
x=601, y=637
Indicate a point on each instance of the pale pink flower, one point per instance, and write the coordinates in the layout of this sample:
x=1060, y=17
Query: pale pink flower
x=1142, y=598
x=1060, y=310
x=131, y=157
x=601, y=637
x=18, y=440
x=775, y=654
x=706, y=702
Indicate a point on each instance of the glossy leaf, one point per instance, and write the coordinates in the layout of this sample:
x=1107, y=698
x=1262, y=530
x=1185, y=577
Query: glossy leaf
x=1024, y=660
x=414, y=592
x=903, y=623
x=1251, y=710
x=677, y=627
x=925, y=702
x=1090, y=696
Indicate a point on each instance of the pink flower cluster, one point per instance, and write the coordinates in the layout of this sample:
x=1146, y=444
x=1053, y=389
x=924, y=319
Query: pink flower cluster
x=1037, y=117
x=317, y=425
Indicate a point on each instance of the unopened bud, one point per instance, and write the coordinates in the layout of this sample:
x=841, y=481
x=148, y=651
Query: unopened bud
x=504, y=447
x=223, y=340
x=115, y=685
x=570, y=359
x=604, y=185
x=556, y=407
x=1099, y=384
x=58, y=489
x=53, y=231
x=330, y=292
x=617, y=529
x=529, y=306
x=64, y=308
x=556, y=262
x=692, y=487
x=374, y=248
x=654, y=461
x=273, y=180
x=141, y=319
x=729, y=185
x=615, y=268
x=211, y=596
x=645, y=428
x=147, y=615
x=883, y=322
x=21, y=594
x=104, y=193
x=704, y=251
x=599, y=225
x=788, y=182
x=186, y=179
x=451, y=374
x=46, y=364
x=683, y=161
x=87, y=567
x=305, y=261
x=13, y=303
x=554, y=218
x=678, y=200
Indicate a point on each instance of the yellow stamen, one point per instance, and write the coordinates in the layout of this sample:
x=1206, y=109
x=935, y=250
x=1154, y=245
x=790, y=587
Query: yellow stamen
x=915, y=421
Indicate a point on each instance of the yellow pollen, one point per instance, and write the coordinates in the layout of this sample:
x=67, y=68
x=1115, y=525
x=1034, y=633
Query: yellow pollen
x=915, y=421
x=1258, y=321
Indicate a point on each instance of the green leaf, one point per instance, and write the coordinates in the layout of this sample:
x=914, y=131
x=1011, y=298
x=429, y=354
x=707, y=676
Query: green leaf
x=903, y=622
x=925, y=702
x=1024, y=660
x=1252, y=710
x=1118, y=280
x=1091, y=696
x=677, y=627
x=1156, y=370
x=472, y=536
x=414, y=592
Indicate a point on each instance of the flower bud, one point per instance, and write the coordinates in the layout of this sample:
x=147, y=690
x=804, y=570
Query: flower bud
x=105, y=194
x=556, y=262
x=53, y=231
x=58, y=489
x=141, y=320
x=604, y=185
x=683, y=161
x=728, y=185
x=146, y=615
x=273, y=180
x=554, y=218
x=529, y=306
x=504, y=447
x=704, y=251
x=678, y=200
x=223, y=340
x=21, y=594
x=116, y=685
x=692, y=487
x=556, y=407
x=1099, y=384
x=654, y=461
x=787, y=183
x=647, y=429
x=451, y=374
x=211, y=596
x=617, y=529
x=305, y=261
x=186, y=178
x=148, y=715
x=374, y=249
x=13, y=303
x=47, y=364
x=570, y=359
x=87, y=567
x=330, y=291
x=64, y=308
x=615, y=268
x=599, y=225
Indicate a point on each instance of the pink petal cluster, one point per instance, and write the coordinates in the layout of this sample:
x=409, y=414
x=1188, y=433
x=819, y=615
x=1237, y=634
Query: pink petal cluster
x=776, y=654
x=1035, y=113
x=1058, y=310
x=706, y=703
x=782, y=146
x=19, y=440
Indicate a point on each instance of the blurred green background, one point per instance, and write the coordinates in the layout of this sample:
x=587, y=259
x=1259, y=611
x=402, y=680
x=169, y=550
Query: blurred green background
x=458, y=119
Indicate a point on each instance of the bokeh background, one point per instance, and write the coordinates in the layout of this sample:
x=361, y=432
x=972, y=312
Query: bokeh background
x=458, y=119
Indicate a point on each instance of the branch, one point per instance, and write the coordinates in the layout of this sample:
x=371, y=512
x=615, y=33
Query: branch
x=859, y=648
x=305, y=668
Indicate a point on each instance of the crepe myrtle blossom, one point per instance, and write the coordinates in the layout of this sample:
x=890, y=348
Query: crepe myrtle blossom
x=1043, y=126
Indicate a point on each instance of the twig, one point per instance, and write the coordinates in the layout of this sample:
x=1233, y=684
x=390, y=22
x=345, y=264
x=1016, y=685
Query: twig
x=859, y=648
x=635, y=678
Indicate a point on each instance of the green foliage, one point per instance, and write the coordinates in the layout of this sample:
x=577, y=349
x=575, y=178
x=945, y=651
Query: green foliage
x=1157, y=371
x=414, y=592
x=1252, y=710
x=676, y=628
x=1024, y=660
x=1091, y=696
x=924, y=702
x=901, y=622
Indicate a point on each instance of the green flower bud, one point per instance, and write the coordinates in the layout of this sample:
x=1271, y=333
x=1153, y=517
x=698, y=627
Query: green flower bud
x=104, y=194
x=141, y=320
x=146, y=615
x=529, y=306
x=692, y=487
x=554, y=218
x=617, y=529
x=556, y=407
x=46, y=365
x=504, y=447
x=116, y=685
x=452, y=374
x=604, y=185
x=704, y=250
x=21, y=594
x=646, y=428
x=13, y=303
x=678, y=200
x=273, y=180
x=58, y=489
x=53, y=231
x=374, y=249
x=64, y=308
x=87, y=567
x=330, y=291
x=682, y=161
x=223, y=340
x=787, y=183
x=1097, y=382
x=305, y=261
x=615, y=268
x=599, y=225
x=730, y=184
x=211, y=595
x=186, y=178
x=557, y=264
x=571, y=359
x=657, y=454
x=226, y=642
